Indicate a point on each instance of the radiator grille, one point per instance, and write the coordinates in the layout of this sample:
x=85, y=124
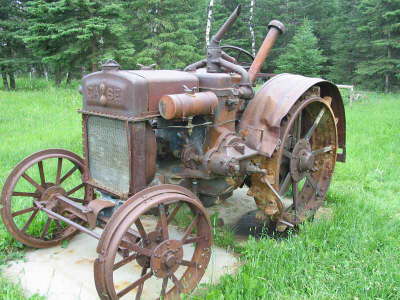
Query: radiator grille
x=108, y=153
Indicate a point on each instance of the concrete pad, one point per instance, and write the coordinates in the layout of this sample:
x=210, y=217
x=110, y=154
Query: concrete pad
x=67, y=273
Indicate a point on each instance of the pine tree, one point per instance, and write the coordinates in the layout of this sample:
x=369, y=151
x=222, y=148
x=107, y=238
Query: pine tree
x=302, y=55
x=13, y=54
x=239, y=34
x=70, y=34
x=345, y=54
x=166, y=32
x=380, y=28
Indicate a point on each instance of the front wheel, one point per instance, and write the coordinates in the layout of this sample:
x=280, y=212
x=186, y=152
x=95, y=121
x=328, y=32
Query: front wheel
x=34, y=181
x=172, y=251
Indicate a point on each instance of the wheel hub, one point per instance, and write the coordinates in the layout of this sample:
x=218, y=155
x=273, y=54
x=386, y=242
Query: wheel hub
x=47, y=196
x=166, y=258
x=153, y=240
x=302, y=160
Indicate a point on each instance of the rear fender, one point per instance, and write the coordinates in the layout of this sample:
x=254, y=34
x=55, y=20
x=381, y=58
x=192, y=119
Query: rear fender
x=261, y=121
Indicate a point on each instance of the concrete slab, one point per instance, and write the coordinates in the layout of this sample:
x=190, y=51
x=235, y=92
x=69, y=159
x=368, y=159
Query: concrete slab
x=67, y=273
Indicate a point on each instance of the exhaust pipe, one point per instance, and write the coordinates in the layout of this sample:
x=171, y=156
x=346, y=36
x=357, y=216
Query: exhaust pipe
x=276, y=28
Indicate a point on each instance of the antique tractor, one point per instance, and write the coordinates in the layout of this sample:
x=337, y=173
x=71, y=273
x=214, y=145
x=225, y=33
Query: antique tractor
x=163, y=144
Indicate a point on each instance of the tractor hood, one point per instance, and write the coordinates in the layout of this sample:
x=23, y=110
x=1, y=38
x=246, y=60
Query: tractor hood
x=130, y=94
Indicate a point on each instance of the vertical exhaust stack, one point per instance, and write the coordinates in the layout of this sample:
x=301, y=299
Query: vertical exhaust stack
x=276, y=28
x=214, y=52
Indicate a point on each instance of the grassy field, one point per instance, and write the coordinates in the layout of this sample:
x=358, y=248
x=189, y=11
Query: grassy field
x=355, y=254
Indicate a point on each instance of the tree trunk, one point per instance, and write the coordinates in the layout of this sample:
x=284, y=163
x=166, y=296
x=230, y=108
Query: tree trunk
x=94, y=55
x=209, y=20
x=68, y=80
x=387, y=75
x=57, y=77
x=387, y=83
x=5, y=80
x=251, y=27
x=12, y=81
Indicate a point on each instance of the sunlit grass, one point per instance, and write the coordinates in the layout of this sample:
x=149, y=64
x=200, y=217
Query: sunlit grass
x=355, y=254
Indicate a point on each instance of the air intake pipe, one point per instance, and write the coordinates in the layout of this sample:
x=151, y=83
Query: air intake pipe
x=276, y=28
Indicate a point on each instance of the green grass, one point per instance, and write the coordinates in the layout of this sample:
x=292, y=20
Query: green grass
x=353, y=255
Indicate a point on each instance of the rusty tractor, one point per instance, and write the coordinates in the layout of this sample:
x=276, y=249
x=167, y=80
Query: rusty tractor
x=165, y=144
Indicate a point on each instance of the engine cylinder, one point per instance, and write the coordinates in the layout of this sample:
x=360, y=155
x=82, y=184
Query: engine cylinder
x=187, y=105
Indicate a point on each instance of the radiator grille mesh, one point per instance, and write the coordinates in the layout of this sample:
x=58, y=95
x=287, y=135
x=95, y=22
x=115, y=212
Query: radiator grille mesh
x=108, y=153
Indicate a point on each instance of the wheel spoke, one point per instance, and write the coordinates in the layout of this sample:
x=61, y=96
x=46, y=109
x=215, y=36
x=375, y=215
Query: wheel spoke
x=189, y=228
x=140, y=227
x=135, y=284
x=176, y=282
x=28, y=223
x=140, y=289
x=24, y=211
x=68, y=174
x=125, y=261
x=315, y=124
x=46, y=228
x=33, y=182
x=187, y=263
x=312, y=182
x=41, y=173
x=174, y=212
x=136, y=248
x=298, y=131
x=23, y=194
x=163, y=222
x=78, y=187
x=193, y=240
x=323, y=150
x=59, y=169
x=285, y=184
x=164, y=288
x=295, y=191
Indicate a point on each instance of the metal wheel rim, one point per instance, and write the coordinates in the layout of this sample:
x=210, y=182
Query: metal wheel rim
x=8, y=190
x=108, y=251
x=328, y=161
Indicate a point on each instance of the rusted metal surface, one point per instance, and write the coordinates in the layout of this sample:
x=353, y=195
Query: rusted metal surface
x=165, y=82
x=301, y=169
x=275, y=29
x=132, y=93
x=41, y=187
x=214, y=51
x=120, y=155
x=156, y=252
x=261, y=121
x=187, y=105
x=202, y=129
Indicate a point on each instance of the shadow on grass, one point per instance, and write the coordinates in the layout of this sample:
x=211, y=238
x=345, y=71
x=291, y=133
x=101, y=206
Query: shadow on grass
x=249, y=225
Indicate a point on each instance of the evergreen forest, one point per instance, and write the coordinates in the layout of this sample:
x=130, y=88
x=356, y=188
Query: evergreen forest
x=347, y=41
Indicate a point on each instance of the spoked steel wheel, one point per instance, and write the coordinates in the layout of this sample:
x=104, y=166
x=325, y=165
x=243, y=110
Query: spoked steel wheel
x=171, y=250
x=33, y=182
x=306, y=158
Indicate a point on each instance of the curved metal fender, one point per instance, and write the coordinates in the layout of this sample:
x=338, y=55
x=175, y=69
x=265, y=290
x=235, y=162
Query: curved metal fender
x=261, y=121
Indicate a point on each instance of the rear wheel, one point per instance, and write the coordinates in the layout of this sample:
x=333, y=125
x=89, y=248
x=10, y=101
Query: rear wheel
x=301, y=169
x=172, y=250
x=307, y=157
